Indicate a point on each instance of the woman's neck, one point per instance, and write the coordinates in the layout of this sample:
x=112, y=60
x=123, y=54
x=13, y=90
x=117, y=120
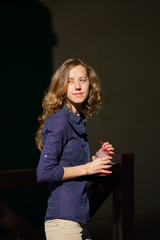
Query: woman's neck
x=76, y=108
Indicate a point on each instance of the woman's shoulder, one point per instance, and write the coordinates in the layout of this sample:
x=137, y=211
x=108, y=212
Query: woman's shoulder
x=58, y=118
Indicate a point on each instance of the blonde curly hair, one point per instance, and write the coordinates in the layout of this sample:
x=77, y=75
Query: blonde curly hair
x=55, y=97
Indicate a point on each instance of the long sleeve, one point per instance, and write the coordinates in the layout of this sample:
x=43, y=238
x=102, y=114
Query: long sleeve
x=53, y=138
x=65, y=144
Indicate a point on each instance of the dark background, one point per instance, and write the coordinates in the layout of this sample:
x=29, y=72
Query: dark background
x=120, y=40
x=26, y=67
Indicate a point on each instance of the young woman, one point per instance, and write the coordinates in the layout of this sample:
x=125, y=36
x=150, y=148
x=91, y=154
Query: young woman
x=65, y=155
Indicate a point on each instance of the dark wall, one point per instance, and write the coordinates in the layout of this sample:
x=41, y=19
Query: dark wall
x=25, y=60
x=26, y=39
x=120, y=40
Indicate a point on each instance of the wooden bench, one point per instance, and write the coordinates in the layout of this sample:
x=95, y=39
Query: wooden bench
x=120, y=183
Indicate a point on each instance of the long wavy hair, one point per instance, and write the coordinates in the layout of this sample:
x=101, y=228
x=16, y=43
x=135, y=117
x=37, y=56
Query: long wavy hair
x=55, y=96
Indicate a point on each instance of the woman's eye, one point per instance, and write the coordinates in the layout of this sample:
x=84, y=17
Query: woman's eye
x=83, y=80
x=70, y=81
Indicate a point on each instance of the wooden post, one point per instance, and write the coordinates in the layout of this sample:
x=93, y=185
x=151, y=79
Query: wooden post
x=123, y=200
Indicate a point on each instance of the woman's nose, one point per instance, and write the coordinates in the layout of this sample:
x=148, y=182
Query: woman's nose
x=77, y=85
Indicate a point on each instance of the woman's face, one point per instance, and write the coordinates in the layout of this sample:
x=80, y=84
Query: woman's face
x=78, y=87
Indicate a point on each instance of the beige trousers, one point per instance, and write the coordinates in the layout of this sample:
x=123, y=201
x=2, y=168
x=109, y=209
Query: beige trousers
x=59, y=229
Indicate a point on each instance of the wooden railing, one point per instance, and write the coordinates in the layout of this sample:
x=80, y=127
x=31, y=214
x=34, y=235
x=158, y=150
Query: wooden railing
x=120, y=183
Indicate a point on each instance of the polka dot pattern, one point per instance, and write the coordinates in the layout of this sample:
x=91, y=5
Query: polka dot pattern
x=65, y=144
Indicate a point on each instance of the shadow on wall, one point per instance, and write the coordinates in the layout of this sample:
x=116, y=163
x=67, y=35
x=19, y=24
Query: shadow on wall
x=26, y=67
x=25, y=59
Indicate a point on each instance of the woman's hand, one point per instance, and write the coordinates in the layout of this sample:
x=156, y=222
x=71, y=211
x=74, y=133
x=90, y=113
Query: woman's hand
x=108, y=147
x=99, y=166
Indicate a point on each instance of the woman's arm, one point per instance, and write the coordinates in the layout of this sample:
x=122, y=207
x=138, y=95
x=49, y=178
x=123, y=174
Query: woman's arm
x=98, y=166
x=49, y=169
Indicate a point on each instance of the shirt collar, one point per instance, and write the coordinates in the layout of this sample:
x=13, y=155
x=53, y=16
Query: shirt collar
x=77, y=119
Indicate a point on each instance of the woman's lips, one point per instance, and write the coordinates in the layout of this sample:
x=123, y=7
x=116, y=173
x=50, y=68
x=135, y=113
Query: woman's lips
x=77, y=94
